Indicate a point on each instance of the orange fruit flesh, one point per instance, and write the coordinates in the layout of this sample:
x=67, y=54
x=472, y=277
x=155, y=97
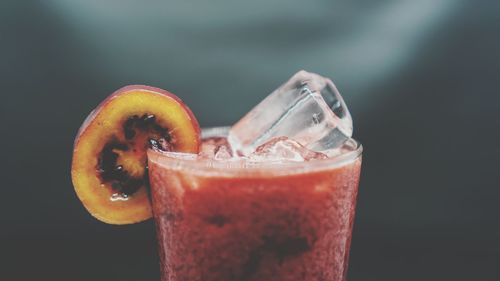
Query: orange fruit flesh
x=105, y=125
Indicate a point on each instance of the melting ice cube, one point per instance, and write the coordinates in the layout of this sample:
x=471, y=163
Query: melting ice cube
x=348, y=146
x=307, y=108
x=215, y=148
x=284, y=149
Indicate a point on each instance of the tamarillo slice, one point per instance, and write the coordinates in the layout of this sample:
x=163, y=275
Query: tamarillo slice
x=109, y=167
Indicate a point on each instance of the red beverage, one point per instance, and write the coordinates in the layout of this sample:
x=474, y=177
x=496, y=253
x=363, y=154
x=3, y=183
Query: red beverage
x=230, y=221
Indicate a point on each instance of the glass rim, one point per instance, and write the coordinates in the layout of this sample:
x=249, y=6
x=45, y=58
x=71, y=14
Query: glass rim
x=242, y=168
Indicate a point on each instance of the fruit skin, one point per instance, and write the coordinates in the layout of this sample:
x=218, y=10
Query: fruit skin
x=104, y=123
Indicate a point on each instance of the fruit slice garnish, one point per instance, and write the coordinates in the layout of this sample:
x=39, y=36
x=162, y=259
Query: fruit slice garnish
x=109, y=168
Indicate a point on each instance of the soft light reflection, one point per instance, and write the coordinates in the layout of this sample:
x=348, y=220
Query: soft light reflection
x=209, y=41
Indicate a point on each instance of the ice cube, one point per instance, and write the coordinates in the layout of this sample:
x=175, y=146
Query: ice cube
x=284, y=149
x=223, y=153
x=307, y=108
x=348, y=146
x=215, y=148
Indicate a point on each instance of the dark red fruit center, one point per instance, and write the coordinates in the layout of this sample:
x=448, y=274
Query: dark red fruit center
x=135, y=130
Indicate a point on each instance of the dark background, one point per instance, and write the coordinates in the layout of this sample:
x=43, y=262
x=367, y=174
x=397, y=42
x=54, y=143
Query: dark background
x=420, y=78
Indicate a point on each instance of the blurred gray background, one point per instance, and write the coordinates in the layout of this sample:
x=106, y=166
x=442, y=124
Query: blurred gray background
x=420, y=79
